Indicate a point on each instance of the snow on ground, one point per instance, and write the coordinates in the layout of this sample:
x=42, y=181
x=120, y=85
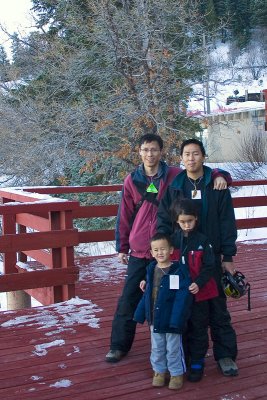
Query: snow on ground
x=102, y=270
x=58, y=318
x=96, y=249
x=61, y=383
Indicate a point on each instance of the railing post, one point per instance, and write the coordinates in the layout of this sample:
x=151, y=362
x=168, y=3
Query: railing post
x=67, y=253
x=18, y=299
x=10, y=259
x=62, y=257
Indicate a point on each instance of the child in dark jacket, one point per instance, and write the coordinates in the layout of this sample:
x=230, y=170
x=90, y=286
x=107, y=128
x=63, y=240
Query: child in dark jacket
x=194, y=250
x=166, y=305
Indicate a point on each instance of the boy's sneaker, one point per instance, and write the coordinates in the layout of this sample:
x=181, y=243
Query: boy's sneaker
x=176, y=382
x=158, y=379
x=114, y=356
x=196, y=371
x=228, y=366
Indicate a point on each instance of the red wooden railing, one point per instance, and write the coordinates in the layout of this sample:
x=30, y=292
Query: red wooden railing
x=38, y=237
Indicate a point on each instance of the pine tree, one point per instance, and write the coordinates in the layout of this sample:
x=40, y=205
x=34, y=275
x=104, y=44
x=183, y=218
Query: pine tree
x=220, y=8
x=240, y=20
x=259, y=13
x=106, y=72
x=4, y=65
x=211, y=16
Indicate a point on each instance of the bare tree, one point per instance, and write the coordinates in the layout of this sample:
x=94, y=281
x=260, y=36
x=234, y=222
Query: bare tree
x=253, y=148
x=104, y=73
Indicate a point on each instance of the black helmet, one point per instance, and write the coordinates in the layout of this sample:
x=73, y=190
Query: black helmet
x=236, y=285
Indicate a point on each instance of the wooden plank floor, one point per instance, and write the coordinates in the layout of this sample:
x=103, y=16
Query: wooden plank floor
x=58, y=352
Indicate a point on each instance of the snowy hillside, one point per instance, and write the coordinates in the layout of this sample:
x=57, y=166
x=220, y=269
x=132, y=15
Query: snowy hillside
x=228, y=75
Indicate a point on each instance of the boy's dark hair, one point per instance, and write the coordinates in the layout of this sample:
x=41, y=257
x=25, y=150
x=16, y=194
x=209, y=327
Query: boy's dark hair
x=151, y=137
x=192, y=141
x=183, y=207
x=161, y=236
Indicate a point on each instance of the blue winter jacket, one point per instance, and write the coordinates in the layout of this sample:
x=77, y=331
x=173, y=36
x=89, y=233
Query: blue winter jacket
x=172, y=307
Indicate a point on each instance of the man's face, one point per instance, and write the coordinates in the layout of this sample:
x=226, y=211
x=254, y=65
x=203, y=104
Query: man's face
x=150, y=154
x=192, y=158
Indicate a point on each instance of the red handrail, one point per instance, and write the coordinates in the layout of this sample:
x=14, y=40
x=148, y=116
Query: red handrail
x=37, y=226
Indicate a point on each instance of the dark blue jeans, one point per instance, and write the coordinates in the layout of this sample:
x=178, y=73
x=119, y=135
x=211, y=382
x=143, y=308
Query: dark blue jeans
x=123, y=326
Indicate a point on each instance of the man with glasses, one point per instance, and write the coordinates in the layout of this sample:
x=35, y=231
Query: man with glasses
x=136, y=224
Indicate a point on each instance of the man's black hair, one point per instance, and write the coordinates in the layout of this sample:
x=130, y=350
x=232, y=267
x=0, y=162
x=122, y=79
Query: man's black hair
x=192, y=141
x=151, y=137
x=161, y=236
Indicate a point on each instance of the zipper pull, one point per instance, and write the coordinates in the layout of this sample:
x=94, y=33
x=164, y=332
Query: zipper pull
x=193, y=257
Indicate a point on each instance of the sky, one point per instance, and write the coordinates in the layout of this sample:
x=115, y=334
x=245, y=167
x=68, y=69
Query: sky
x=15, y=17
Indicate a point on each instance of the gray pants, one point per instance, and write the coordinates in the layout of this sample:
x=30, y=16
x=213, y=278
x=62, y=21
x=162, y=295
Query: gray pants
x=167, y=353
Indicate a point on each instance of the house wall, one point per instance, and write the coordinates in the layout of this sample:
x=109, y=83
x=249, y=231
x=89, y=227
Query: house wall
x=225, y=133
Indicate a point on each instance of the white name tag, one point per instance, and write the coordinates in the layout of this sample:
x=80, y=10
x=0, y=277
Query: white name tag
x=174, y=281
x=196, y=194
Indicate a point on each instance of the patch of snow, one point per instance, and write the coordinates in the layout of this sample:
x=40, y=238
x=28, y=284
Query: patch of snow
x=41, y=348
x=36, y=377
x=28, y=267
x=233, y=397
x=103, y=270
x=96, y=249
x=76, y=349
x=61, y=315
x=62, y=383
x=57, y=331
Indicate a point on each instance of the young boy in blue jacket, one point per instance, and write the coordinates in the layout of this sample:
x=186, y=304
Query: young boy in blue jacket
x=166, y=305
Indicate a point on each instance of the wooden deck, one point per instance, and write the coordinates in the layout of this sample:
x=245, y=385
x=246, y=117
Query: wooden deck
x=57, y=352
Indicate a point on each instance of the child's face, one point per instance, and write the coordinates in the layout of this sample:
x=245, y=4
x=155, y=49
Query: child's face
x=187, y=223
x=161, y=250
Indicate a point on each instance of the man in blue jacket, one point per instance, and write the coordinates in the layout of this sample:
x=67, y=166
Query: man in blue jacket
x=217, y=222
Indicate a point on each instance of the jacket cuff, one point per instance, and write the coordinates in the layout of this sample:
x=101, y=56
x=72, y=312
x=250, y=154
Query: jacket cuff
x=216, y=172
x=120, y=250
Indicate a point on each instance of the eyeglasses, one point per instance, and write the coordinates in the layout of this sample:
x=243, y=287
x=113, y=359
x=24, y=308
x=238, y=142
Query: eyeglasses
x=152, y=151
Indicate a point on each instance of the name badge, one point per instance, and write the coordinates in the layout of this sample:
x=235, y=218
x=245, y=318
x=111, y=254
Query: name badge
x=174, y=281
x=196, y=194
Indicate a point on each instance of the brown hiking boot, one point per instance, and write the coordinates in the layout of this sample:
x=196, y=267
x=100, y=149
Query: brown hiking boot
x=158, y=379
x=176, y=382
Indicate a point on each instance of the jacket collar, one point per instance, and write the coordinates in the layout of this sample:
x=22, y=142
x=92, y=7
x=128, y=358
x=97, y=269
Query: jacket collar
x=139, y=174
x=161, y=170
x=178, y=181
